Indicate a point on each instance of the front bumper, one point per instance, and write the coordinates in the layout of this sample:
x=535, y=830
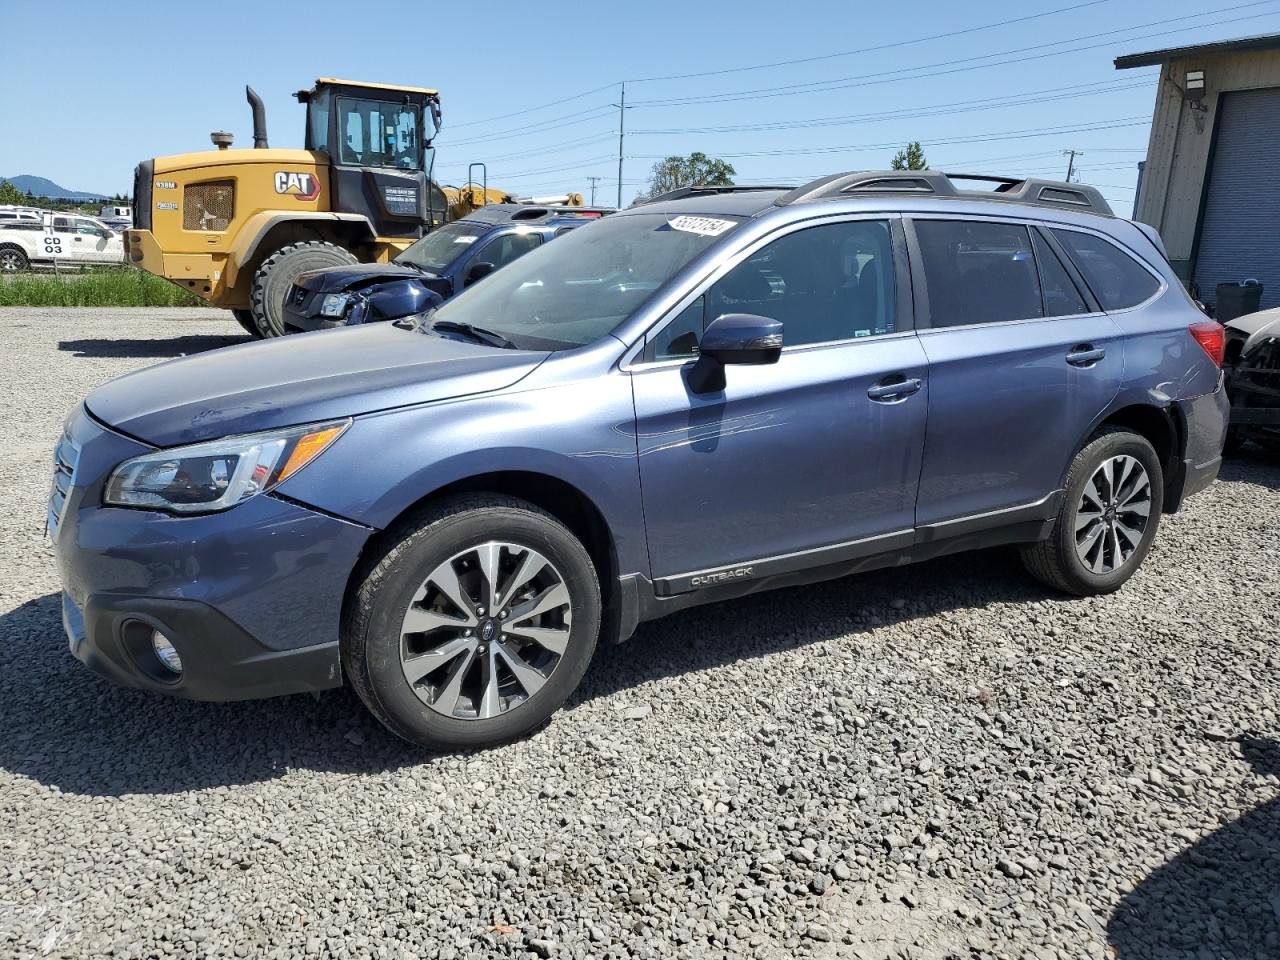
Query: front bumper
x=251, y=597
x=221, y=661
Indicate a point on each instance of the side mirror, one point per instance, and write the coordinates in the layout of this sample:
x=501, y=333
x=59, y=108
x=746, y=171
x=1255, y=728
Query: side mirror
x=478, y=271
x=734, y=338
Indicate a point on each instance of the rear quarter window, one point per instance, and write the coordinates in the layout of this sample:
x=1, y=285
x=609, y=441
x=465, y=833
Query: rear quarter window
x=1116, y=278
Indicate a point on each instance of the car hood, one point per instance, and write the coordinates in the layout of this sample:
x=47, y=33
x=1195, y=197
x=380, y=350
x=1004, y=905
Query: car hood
x=301, y=379
x=1257, y=327
x=335, y=279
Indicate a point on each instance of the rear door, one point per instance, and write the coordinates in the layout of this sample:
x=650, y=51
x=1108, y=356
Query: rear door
x=1021, y=363
x=812, y=459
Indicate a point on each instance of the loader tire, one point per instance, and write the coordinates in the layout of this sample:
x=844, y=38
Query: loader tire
x=245, y=319
x=278, y=272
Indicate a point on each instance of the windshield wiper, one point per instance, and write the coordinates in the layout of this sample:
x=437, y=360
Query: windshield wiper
x=479, y=334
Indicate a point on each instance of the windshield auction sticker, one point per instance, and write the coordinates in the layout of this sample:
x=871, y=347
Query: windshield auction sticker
x=704, y=226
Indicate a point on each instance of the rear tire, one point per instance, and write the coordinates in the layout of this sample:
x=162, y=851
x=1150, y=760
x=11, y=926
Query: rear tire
x=13, y=260
x=277, y=273
x=430, y=657
x=245, y=319
x=1104, y=529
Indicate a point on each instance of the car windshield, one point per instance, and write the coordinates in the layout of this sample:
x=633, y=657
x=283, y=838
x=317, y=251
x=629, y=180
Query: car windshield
x=576, y=290
x=441, y=247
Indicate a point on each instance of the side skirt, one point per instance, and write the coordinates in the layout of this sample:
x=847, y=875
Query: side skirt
x=665, y=595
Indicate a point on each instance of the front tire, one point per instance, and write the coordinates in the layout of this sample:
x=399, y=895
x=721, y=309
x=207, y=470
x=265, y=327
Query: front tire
x=13, y=260
x=428, y=653
x=277, y=274
x=1108, y=519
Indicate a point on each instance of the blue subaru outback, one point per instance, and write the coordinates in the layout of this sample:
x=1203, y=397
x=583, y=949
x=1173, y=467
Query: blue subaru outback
x=695, y=399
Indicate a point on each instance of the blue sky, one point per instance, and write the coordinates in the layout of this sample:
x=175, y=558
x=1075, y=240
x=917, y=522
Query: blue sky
x=534, y=94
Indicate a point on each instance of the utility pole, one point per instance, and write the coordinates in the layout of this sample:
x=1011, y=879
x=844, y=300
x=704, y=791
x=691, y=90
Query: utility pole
x=622, y=113
x=593, y=189
x=1071, y=161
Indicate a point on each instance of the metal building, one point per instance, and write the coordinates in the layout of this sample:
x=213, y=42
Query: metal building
x=1211, y=180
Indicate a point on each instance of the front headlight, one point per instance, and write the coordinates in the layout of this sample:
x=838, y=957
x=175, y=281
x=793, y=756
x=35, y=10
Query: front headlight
x=334, y=304
x=218, y=474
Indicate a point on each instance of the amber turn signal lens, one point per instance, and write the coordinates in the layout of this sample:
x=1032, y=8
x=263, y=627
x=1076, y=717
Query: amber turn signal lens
x=308, y=447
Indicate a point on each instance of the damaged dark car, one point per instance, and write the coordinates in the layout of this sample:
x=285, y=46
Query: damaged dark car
x=1251, y=366
x=430, y=271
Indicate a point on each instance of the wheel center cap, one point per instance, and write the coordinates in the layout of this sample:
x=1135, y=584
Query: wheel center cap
x=487, y=630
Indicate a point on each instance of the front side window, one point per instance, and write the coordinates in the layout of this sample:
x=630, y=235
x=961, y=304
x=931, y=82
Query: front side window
x=825, y=284
x=91, y=229
x=375, y=133
x=1117, y=280
x=978, y=272
x=578, y=289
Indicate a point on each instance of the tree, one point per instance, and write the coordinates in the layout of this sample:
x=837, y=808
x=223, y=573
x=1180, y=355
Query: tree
x=910, y=157
x=695, y=170
x=10, y=194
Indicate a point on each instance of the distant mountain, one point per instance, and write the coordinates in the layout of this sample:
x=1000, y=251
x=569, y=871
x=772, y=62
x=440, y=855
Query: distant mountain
x=40, y=187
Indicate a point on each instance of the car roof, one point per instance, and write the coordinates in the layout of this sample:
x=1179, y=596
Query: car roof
x=904, y=189
x=499, y=214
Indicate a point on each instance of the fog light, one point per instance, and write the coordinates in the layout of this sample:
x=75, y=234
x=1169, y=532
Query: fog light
x=165, y=651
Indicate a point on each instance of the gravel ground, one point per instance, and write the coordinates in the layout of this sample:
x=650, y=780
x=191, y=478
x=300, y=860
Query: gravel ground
x=938, y=761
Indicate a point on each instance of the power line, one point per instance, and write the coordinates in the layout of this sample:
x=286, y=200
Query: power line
x=872, y=49
x=542, y=126
x=927, y=110
x=1028, y=133
x=867, y=79
x=520, y=113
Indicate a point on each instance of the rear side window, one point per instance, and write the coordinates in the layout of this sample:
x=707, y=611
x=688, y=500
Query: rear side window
x=978, y=272
x=1117, y=280
x=1061, y=298
x=507, y=248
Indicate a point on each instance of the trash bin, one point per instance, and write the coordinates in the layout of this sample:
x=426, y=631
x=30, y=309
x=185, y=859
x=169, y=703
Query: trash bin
x=1237, y=299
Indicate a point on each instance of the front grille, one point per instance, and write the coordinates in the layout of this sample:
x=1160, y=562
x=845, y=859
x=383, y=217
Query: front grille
x=208, y=206
x=66, y=455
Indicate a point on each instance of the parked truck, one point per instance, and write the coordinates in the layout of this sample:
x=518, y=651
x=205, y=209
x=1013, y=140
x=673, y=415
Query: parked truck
x=53, y=238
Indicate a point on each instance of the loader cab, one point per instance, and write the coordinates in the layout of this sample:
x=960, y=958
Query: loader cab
x=378, y=141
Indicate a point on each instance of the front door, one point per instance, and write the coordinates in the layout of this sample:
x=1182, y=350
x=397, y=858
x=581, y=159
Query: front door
x=818, y=450
x=1021, y=363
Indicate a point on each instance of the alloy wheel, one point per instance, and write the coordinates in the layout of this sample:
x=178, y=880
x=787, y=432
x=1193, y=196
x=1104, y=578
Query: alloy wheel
x=9, y=261
x=1113, y=513
x=485, y=631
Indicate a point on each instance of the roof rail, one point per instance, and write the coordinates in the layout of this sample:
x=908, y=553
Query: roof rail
x=681, y=192
x=1033, y=190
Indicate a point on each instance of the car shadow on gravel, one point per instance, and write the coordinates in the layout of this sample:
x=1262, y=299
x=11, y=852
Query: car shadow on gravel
x=63, y=726
x=146, y=348
x=1252, y=465
x=1219, y=898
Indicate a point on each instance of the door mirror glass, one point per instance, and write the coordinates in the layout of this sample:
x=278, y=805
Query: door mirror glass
x=478, y=271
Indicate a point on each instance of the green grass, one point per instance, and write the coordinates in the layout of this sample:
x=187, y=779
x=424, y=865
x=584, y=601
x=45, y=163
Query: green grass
x=108, y=287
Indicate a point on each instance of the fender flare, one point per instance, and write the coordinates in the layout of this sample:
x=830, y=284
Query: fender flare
x=250, y=236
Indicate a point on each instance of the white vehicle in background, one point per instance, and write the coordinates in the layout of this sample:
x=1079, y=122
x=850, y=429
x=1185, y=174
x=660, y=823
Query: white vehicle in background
x=117, y=218
x=57, y=238
x=10, y=213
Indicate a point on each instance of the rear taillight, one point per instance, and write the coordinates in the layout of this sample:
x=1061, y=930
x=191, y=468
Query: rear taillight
x=1211, y=335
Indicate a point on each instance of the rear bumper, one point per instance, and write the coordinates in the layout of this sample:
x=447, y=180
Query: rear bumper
x=1206, y=430
x=111, y=636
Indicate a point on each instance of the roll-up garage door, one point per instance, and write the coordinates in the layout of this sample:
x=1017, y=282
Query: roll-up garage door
x=1240, y=232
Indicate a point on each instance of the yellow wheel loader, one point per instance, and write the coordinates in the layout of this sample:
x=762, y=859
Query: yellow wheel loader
x=236, y=227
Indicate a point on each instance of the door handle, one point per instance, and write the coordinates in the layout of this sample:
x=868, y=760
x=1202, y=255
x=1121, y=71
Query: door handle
x=1085, y=355
x=893, y=390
